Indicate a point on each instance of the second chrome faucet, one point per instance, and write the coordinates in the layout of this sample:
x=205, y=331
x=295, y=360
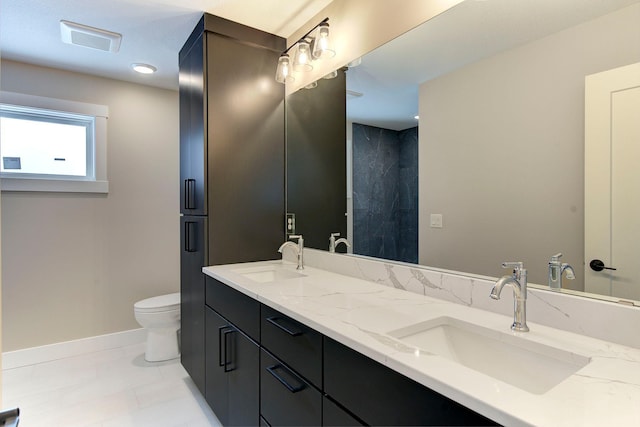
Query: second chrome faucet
x=518, y=281
x=299, y=248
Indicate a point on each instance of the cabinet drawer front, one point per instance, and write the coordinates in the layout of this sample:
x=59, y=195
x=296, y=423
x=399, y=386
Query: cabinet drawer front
x=380, y=396
x=334, y=415
x=285, y=398
x=239, y=309
x=295, y=344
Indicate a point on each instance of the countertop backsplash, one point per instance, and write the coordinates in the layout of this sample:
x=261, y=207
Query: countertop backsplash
x=586, y=316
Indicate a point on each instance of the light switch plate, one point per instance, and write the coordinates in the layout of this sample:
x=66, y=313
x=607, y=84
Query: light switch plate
x=436, y=221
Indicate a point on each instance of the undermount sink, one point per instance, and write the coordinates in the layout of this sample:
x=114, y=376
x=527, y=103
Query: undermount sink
x=266, y=274
x=525, y=364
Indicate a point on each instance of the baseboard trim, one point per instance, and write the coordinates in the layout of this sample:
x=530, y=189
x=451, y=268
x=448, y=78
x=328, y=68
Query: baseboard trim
x=47, y=353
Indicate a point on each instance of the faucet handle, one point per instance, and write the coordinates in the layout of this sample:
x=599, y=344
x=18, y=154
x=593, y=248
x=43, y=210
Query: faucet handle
x=334, y=235
x=515, y=265
x=556, y=257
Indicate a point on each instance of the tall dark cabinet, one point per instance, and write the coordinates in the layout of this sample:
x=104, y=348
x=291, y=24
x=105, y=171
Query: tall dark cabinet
x=231, y=163
x=317, y=160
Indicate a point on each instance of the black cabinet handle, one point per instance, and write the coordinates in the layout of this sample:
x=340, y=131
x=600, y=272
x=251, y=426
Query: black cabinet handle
x=223, y=352
x=228, y=351
x=190, y=237
x=291, y=331
x=293, y=389
x=189, y=193
x=598, y=265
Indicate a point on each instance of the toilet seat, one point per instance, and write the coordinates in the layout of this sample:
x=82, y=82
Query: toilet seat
x=158, y=304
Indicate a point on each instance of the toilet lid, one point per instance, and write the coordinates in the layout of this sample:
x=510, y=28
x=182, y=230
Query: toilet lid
x=160, y=303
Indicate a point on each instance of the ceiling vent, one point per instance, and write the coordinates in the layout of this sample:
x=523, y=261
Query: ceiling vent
x=94, y=38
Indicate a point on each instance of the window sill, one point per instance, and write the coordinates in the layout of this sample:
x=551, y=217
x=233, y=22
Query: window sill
x=54, y=185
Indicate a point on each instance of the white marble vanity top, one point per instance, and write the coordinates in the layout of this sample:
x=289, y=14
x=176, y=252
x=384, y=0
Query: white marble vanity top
x=360, y=314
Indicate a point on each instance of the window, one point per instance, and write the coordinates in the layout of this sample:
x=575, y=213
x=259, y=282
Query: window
x=52, y=145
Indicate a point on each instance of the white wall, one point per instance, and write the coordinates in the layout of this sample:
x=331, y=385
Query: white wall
x=501, y=151
x=74, y=264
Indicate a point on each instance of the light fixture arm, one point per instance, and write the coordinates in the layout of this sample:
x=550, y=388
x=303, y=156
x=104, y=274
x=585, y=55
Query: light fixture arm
x=306, y=36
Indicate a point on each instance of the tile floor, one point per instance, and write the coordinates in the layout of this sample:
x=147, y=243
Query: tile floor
x=109, y=388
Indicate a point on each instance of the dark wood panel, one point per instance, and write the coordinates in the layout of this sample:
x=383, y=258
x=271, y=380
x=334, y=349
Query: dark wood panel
x=239, y=309
x=192, y=322
x=246, y=152
x=334, y=415
x=281, y=406
x=244, y=381
x=297, y=345
x=193, y=149
x=217, y=388
x=317, y=162
x=380, y=396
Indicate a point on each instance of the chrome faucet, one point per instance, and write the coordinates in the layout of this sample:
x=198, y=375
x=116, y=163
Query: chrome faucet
x=333, y=243
x=518, y=281
x=555, y=272
x=299, y=248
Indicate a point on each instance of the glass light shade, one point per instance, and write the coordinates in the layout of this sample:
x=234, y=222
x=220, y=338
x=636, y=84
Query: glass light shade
x=322, y=47
x=283, y=72
x=302, y=58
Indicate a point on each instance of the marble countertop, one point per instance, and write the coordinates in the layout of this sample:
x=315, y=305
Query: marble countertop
x=360, y=314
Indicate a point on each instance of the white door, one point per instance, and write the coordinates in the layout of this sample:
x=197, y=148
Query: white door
x=612, y=182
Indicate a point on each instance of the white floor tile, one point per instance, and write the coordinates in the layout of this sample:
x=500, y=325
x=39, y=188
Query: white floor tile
x=109, y=388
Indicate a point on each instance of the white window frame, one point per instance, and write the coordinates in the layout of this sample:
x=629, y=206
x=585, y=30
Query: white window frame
x=100, y=112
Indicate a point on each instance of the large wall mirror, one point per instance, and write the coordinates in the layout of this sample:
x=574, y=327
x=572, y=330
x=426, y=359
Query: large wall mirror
x=494, y=168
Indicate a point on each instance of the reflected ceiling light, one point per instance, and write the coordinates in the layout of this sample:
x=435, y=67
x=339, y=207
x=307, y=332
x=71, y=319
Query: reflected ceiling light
x=355, y=62
x=312, y=46
x=283, y=72
x=144, y=68
x=331, y=75
x=416, y=117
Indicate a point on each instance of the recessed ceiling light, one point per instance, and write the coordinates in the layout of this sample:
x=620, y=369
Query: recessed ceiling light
x=144, y=68
x=94, y=38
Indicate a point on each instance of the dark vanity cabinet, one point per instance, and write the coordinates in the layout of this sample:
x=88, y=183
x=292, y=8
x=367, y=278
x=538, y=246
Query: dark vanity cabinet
x=231, y=163
x=232, y=380
x=265, y=368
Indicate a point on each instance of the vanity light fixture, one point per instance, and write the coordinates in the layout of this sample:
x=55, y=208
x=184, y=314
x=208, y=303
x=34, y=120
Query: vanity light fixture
x=302, y=58
x=283, y=72
x=144, y=68
x=322, y=47
x=314, y=45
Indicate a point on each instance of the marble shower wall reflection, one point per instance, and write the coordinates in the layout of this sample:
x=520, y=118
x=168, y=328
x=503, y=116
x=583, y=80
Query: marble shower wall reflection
x=385, y=193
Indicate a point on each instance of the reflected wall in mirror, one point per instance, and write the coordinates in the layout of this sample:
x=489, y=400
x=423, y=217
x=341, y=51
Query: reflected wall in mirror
x=500, y=87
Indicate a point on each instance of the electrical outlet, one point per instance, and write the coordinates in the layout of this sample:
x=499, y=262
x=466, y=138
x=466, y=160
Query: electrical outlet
x=291, y=223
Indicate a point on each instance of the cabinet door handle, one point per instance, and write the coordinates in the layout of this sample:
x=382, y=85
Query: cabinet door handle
x=189, y=193
x=293, y=389
x=291, y=331
x=228, y=351
x=190, y=236
x=223, y=353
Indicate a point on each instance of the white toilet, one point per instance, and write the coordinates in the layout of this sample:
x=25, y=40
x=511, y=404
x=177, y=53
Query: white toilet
x=160, y=316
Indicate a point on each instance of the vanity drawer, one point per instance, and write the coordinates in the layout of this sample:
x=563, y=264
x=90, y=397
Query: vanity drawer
x=236, y=307
x=286, y=399
x=380, y=396
x=295, y=344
